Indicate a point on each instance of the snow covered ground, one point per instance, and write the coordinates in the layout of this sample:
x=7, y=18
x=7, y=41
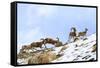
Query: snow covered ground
x=79, y=50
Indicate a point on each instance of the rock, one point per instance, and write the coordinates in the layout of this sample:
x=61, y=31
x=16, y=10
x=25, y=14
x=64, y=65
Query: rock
x=92, y=59
x=86, y=57
x=94, y=48
x=85, y=38
x=45, y=57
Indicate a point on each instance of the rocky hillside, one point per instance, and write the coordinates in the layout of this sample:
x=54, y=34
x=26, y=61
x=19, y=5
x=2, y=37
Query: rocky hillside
x=80, y=50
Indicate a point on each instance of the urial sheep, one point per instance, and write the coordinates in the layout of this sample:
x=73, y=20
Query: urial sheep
x=56, y=43
x=83, y=34
x=72, y=34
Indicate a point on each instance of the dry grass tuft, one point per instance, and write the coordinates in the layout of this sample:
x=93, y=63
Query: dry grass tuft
x=45, y=57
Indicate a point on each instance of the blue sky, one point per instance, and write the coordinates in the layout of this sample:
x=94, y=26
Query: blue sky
x=41, y=21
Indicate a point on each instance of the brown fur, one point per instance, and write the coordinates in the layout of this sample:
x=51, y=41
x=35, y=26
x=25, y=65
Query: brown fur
x=37, y=44
x=29, y=47
x=49, y=40
x=56, y=43
x=83, y=33
x=32, y=46
x=72, y=35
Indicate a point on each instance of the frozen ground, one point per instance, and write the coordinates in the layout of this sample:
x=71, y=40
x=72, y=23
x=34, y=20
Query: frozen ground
x=81, y=50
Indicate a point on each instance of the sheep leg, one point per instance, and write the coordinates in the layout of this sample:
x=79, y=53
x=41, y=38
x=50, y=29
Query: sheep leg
x=45, y=46
x=72, y=39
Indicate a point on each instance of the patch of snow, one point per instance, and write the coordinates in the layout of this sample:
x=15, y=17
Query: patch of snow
x=81, y=52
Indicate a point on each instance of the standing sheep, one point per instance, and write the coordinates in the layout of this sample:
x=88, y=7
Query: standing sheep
x=72, y=34
x=83, y=34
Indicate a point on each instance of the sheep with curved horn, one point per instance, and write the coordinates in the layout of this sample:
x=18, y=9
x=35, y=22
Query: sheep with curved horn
x=72, y=34
x=83, y=34
x=58, y=43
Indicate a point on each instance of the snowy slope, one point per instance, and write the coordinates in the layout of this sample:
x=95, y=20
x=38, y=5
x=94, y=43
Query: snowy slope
x=78, y=51
x=81, y=50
